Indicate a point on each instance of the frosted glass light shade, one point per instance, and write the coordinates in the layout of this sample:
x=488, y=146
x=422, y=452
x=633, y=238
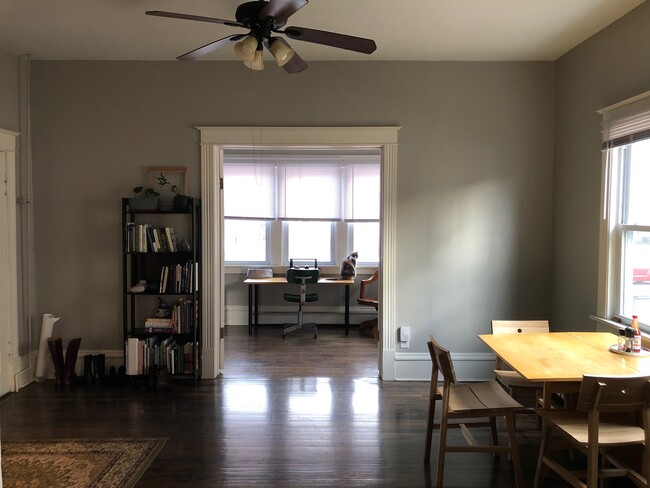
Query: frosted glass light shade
x=281, y=52
x=245, y=50
x=257, y=63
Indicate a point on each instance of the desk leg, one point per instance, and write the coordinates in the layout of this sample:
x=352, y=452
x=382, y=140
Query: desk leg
x=257, y=305
x=250, y=309
x=347, y=309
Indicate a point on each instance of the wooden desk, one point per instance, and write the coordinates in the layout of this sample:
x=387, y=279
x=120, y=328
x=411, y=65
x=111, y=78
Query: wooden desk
x=254, y=296
x=560, y=359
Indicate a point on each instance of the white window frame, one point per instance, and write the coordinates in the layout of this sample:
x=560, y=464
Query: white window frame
x=612, y=231
x=277, y=243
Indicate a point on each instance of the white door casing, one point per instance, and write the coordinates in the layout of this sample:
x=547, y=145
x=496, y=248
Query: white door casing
x=213, y=141
x=8, y=262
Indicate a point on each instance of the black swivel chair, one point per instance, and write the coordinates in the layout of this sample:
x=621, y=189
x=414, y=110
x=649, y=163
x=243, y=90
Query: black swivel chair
x=301, y=276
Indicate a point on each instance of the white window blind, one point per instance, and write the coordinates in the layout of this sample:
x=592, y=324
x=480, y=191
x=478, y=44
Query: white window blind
x=309, y=191
x=626, y=122
x=302, y=188
x=249, y=191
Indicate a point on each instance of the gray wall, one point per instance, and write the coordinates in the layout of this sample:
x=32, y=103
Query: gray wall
x=9, y=91
x=607, y=68
x=474, y=189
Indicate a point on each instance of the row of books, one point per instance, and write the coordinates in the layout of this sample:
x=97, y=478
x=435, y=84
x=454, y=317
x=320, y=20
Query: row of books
x=147, y=238
x=178, y=278
x=182, y=320
x=142, y=354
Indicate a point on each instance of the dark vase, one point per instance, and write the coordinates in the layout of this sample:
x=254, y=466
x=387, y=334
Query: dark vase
x=181, y=202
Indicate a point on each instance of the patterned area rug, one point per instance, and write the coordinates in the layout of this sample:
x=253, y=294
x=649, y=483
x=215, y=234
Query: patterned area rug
x=77, y=463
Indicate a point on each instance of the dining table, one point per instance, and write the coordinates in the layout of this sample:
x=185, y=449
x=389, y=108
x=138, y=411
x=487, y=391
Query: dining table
x=560, y=359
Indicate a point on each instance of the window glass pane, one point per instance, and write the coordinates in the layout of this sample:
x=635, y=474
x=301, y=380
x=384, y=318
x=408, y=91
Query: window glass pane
x=636, y=275
x=309, y=240
x=636, y=180
x=245, y=241
x=365, y=240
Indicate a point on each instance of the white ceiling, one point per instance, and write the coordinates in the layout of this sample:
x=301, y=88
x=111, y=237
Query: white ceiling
x=424, y=30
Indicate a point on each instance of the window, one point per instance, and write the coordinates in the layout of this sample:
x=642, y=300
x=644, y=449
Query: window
x=625, y=229
x=285, y=204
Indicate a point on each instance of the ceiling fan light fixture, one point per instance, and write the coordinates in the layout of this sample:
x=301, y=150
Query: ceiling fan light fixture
x=256, y=64
x=281, y=52
x=246, y=49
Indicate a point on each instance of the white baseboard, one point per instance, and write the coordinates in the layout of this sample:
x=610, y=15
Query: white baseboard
x=468, y=366
x=238, y=314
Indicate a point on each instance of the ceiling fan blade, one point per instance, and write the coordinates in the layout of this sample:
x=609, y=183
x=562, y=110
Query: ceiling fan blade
x=295, y=64
x=342, y=41
x=208, y=48
x=281, y=10
x=200, y=18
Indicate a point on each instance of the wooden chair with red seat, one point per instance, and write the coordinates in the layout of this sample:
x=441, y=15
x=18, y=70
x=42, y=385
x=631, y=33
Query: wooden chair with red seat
x=369, y=302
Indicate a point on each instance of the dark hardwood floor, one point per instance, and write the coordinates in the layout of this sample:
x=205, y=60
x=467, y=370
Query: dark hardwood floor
x=288, y=413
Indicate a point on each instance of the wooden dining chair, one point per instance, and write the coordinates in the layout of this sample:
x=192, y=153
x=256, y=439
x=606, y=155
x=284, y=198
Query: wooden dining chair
x=372, y=324
x=512, y=380
x=590, y=433
x=462, y=402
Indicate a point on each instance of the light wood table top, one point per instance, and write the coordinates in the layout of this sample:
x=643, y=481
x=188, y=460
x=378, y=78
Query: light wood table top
x=564, y=356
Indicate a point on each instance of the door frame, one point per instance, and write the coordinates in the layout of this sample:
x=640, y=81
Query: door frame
x=213, y=141
x=8, y=263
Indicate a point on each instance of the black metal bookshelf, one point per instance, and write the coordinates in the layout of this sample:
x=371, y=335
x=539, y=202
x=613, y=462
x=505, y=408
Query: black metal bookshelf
x=162, y=248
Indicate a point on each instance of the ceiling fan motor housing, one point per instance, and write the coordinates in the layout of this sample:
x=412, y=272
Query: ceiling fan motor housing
x=248, y=14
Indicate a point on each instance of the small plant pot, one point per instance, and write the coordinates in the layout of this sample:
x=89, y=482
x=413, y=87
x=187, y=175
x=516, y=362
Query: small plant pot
x=182, y=202
x=144, y=203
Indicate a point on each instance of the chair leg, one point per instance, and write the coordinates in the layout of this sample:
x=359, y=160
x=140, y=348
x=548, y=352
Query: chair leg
x=514, y=451
x=592, y=465
x=540, y=471
x=430, y=423
x=495, y=435
x=441, y=451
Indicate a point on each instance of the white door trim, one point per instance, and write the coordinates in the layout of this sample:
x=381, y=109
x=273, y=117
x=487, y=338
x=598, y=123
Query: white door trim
x=214, y=140
x=8, y=262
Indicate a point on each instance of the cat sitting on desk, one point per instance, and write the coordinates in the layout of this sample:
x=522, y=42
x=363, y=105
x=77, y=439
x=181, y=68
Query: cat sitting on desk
x=349, y=266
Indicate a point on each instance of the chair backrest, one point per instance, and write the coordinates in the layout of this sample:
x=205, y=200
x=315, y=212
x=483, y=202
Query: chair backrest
x=614, y=393
x=367, y=282
x=519, y=326
x=303, y=275
x=442, y=359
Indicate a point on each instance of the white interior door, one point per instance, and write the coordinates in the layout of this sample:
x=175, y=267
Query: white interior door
x=8, y=273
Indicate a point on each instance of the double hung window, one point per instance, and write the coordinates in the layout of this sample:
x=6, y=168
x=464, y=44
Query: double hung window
x=625, y=230
x=300, y=204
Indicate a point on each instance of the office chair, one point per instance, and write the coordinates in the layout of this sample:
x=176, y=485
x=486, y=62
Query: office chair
x=303, y=277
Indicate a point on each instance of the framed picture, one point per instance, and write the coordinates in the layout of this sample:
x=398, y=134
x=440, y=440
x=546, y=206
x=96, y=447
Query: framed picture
x=176, y=175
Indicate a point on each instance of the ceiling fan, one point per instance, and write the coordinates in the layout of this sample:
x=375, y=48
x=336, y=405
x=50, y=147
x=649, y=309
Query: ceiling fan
x=263, y=18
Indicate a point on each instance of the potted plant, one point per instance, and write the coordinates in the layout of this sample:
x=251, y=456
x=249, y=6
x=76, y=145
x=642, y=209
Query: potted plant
x=145, y=199
x=181, y=202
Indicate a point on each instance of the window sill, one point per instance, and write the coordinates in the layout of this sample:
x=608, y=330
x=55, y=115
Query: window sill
x=281, y=270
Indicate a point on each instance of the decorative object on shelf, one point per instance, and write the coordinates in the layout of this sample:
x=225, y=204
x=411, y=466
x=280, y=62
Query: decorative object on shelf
x=184, y=245
x=173, y=186
x=163, y=309
x=150, y=199
x=139, y=287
